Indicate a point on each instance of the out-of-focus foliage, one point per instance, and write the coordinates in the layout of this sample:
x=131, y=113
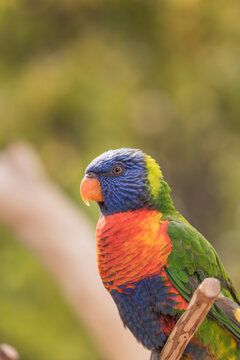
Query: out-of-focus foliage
x=80, y=77
x=34, y=317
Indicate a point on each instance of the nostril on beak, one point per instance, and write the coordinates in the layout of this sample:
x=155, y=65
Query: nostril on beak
x=91, y=175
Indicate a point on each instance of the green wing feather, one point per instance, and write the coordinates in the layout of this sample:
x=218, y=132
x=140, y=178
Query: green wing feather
x=191, y=261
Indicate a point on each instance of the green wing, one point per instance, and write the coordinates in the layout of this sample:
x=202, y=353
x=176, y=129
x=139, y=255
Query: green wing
x=191, y=261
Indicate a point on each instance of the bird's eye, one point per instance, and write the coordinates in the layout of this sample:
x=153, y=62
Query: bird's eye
x=117, y=170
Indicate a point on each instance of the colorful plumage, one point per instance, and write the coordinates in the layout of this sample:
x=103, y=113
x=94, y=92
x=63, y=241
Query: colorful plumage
x=151, y=259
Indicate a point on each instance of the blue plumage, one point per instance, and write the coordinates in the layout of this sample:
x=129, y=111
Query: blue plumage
x=124, y=192
x=142, y=306
x=148, y=311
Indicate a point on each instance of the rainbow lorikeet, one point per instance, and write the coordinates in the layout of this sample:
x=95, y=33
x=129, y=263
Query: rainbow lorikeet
x=151, y=259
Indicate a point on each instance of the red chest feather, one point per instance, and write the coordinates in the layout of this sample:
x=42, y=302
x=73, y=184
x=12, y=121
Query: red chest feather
x=131, y=246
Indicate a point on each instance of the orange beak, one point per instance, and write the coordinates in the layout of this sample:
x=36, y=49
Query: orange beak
x=90, y=189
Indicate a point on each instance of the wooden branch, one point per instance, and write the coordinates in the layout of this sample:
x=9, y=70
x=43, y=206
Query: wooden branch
x=187, y=325
x=7, y=352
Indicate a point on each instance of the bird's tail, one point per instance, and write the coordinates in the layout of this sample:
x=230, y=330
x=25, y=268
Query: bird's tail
x=227, y=313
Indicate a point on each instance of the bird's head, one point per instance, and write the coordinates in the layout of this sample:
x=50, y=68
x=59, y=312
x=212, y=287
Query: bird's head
x=125, y=179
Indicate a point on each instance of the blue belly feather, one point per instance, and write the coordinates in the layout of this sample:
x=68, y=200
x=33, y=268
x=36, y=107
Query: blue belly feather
x=147, y=309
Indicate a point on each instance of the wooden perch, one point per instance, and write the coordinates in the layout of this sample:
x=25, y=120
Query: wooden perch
x=7, y=352
x=187, y=325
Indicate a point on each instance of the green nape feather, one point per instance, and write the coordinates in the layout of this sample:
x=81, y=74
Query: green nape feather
x=154, y=174
x=158, y=187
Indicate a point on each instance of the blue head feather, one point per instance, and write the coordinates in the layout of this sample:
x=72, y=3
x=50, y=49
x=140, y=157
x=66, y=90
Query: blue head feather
x=126, y=191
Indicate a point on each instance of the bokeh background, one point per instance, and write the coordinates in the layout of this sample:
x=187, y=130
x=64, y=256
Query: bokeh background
x=80, y=77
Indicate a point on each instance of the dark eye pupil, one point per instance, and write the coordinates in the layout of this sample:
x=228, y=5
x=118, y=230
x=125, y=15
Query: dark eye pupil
x=117, y=170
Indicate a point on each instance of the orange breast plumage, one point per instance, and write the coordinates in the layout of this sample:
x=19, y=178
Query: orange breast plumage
x=131, y=246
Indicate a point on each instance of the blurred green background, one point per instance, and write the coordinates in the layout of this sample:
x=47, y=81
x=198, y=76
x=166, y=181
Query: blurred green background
x=80, y=77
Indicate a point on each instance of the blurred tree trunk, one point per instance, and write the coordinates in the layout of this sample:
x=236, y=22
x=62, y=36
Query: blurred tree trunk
x=60, y=235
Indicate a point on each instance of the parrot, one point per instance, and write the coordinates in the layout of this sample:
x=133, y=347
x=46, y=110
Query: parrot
x=151, y=260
